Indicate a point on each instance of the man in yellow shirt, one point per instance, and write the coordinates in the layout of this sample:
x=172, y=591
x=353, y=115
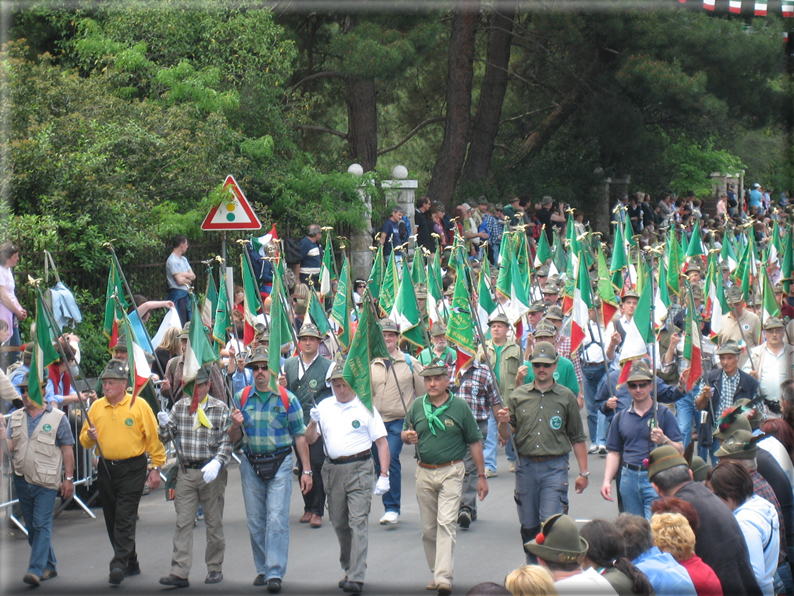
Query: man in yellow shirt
x=125, y=433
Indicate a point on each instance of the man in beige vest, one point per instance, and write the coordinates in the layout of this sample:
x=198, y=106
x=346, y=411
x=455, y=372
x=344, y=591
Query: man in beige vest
x=40, y=441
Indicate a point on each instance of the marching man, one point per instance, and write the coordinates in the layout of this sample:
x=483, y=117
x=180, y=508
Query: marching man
x=349, y=430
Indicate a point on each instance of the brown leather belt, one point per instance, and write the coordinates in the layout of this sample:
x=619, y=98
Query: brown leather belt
x=437, y=466
x=347, y=459
x=541, y=458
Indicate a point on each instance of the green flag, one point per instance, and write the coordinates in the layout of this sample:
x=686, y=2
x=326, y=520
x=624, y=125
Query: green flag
x=113, y=312
x=328, y=267
x=788, y=260
x=606, y=291
x=695, y=248
x=210, y=303
x=674, y=260
x=388, y=291
x=367, y=345
x=376, y=274
x=198, y=353
x=343, y=304
x=317, y=314
x=223, y=319
x=44, y=354
x=405, y=313
x=280, y=334
x=506, y=258
x=543, y=253
x=418, y=271
x=771, y=307
x=560, y=259
x=460, y=329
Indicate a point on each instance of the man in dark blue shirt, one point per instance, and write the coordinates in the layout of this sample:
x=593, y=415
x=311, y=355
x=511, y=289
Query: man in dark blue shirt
x=634, y=433
x=390, y=236
x=311, y=255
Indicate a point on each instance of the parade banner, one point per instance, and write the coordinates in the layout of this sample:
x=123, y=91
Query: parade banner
x=367, y=345
x=44, y=354
x=114, y=309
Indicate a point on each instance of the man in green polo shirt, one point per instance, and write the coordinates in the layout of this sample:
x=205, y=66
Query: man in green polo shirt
x=444, y=429
x=543, y=419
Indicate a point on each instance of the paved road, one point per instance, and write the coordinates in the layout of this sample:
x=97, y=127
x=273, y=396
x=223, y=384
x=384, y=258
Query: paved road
x=396, y=562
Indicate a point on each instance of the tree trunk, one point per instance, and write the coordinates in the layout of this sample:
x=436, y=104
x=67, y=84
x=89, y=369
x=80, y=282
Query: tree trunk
x=492, y=94
x=459, y=78
x=362, y=121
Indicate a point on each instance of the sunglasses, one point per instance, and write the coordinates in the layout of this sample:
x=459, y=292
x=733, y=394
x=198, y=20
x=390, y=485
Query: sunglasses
x=257, y=368
x=639, y=385
x=541, y=365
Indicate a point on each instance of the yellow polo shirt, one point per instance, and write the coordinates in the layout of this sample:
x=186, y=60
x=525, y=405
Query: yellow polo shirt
x=124, y=431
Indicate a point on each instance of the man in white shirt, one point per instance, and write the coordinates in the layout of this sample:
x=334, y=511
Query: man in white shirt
x=774, y=363
x=349, y=429
x=179, y=275
x=560, y=549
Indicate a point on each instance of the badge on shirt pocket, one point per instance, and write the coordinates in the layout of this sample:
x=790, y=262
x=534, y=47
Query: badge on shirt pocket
x=555, y=422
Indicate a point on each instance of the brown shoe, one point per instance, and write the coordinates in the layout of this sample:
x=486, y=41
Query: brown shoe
x=306, y=517
x=431, y=586
x=444, y=589
x=316, y=521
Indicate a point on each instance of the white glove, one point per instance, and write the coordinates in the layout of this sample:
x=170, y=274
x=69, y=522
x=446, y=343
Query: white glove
x=163, y=418
x=382, y=486
x=211, y=470
x=315, y=414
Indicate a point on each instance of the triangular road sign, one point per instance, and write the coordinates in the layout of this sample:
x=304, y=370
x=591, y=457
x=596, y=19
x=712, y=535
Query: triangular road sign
x=233, y=213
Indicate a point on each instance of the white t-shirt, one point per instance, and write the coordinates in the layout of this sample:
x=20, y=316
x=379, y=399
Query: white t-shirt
x=176, y=264
x=348, y=428
x=7, y=280
x=587, y=582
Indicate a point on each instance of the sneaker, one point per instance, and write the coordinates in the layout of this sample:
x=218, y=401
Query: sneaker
x=174, y=581
x=116, y=576
x=512, y=466
x=259, y=580
x=464, y=519
x=48, y=574
x=390, y=518
x=602, y=450
x=489, y=473
x=593, y=448
x=274, y=585
x=353, y=587
x=31, y=579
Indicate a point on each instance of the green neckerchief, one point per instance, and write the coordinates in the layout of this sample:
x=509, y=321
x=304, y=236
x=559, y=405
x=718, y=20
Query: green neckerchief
x=433, y=417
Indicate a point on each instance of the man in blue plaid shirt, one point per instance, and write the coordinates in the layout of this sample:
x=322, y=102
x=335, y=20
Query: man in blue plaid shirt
x=476, y=387
x=267, y=423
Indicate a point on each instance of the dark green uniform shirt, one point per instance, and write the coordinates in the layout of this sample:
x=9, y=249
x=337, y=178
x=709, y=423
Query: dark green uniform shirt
x=447, y=445
x=546, y=423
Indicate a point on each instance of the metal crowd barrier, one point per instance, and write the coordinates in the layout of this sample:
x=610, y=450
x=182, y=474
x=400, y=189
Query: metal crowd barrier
x=83, y=463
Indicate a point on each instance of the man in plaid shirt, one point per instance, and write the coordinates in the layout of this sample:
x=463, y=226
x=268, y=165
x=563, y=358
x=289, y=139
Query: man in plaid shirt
x=476, y=386
x=204, y=448
x=268, y=423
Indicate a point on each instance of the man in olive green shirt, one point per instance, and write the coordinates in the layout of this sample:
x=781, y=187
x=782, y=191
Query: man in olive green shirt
x=443, y=428
x=565, y=374
x=543, y=418
x=438, y=335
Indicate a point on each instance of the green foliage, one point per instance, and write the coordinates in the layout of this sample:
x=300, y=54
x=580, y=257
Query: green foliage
x=690, y=164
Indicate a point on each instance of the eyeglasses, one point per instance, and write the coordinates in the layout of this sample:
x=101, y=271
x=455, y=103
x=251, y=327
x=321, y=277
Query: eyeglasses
x=541, y=365
x=639, y=385
x=257, y=368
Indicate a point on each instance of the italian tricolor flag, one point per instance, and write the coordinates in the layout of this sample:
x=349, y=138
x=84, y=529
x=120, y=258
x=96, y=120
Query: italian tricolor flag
x=582, y=303
x=708, y=4
x=139, y=370
x=760, y=9
x=692, y=346
x=788, y=8
x=735, y=6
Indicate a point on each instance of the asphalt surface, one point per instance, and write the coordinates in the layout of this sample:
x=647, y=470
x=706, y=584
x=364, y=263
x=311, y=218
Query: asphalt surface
x=488, y=551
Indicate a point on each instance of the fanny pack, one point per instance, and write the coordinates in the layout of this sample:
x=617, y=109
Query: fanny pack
x=266, y=466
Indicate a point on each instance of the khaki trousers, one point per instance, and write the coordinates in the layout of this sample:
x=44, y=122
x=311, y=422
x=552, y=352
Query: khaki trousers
x=190, y=491
x=348, y=488
x=438, y=494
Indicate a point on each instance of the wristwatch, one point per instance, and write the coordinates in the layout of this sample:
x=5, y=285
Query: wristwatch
x=309, y=473
x=70, y=478
x=584, y=474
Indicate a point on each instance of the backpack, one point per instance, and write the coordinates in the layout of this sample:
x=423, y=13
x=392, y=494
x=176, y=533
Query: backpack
x=247, y=392
x=292, y=251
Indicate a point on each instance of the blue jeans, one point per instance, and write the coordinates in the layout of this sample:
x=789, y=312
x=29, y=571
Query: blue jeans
x=37, y=504
x=181, y=300
x=596, y=421
x=510, y=452
x=636, y=492
x=687, y=415
x=267, y=513
x=391, y=500
x=491, y=443
x=706, y=453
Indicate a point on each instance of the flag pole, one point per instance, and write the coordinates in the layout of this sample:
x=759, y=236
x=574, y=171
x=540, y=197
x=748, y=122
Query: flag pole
x=243, y=242
x=325, y=316
x=478, y=330
x=132, y=301
x=67, y=353
x=649, y=256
